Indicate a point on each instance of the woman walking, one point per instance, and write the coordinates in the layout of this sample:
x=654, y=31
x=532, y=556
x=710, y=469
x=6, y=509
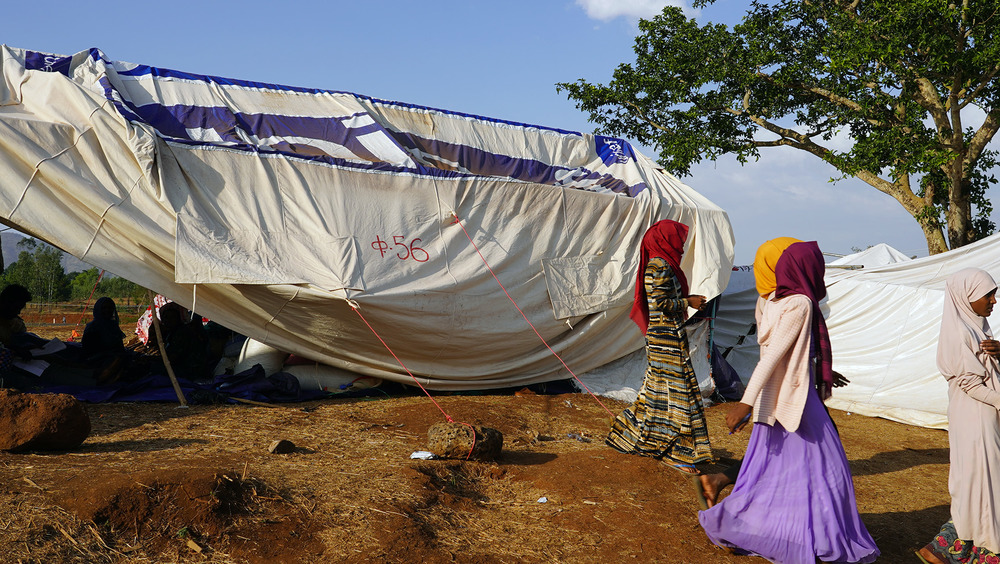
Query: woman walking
x=667, y=419
x=709, y=486
x=966, y=357
x=793, y=502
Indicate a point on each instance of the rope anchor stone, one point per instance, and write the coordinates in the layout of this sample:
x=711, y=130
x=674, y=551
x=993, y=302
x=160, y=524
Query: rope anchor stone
x=460, y=440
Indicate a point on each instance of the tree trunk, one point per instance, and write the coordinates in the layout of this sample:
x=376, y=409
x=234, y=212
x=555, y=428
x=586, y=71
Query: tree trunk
x=914, y=205
x=935, y=238
x=959, y=214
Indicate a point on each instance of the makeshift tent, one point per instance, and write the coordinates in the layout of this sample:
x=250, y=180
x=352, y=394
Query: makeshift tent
x=876, y=255
x=355, y=232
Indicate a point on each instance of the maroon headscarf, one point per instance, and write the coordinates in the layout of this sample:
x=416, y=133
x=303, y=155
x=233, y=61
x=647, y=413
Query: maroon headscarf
x=800, y=270
x=664, y=239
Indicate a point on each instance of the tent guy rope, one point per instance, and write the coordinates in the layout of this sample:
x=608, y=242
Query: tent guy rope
x=544, y=342
x=357, y=309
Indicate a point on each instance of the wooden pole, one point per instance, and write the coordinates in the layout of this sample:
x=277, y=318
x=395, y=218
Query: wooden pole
x=163, y=352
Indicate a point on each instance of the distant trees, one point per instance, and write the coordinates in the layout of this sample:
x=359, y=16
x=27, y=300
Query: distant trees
x=82, y=284
x=39, y=268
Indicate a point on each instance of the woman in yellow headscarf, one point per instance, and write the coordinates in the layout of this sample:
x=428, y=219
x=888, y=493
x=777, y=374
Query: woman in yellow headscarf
x=709, y=486
x=764, y=262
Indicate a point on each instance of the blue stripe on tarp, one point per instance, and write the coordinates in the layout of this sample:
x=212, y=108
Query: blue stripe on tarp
x=486, y=163
x=34, y=60
x=143, y=70
x=174, y=122
x=378, y=166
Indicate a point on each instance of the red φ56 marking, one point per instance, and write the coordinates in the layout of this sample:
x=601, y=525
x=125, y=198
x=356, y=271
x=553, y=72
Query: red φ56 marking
x=403, y=249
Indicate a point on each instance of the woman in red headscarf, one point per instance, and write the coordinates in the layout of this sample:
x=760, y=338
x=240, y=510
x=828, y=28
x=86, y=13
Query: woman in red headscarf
x=667, y=420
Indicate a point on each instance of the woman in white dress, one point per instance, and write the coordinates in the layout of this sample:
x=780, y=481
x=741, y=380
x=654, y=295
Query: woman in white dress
x=966, y=357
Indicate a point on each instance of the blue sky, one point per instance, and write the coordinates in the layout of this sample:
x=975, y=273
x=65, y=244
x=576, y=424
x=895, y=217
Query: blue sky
x=497, y=59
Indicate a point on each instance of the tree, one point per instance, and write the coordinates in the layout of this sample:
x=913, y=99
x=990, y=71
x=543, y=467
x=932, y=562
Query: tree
x=912, y=83
x=39, y=269
x=85, y=286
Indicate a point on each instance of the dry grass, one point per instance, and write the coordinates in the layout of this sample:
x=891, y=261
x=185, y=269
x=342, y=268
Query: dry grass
x=350, y=492
x=158, y=483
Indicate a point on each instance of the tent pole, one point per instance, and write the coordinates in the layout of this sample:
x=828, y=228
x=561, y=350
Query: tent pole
x=163, y=352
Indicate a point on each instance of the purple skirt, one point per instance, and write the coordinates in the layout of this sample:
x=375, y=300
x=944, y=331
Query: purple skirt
x=793, y=502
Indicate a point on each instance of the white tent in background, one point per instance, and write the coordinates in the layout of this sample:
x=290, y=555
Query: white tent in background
x=318, y=222
x=733, y=332
x=884, y=320
x=876, y=255
x=884, y=323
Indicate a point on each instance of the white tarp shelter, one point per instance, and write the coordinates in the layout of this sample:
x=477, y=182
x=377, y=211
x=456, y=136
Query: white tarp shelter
x=884, y=324
x=277, y=210
x=884, y=320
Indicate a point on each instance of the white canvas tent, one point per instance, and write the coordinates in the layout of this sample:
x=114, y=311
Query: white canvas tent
x=884, y=323
x=884, y=319
x=324, y=223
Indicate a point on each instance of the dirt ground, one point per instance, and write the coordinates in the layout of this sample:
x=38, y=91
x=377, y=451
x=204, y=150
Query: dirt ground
x=159, y=483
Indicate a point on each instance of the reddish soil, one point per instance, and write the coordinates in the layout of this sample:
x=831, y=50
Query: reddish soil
x=158, y=483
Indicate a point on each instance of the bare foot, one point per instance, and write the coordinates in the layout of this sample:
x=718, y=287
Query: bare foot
x=712, y=485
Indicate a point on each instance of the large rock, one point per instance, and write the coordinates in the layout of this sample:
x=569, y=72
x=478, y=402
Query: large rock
x=41, y=421
x=457, y=440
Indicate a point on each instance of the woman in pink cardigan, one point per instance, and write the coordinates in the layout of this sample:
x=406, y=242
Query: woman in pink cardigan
x=793, y=502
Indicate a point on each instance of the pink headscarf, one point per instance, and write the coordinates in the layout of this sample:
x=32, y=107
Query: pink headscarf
x=962, y=329
x=664, y=239
x=800, y=270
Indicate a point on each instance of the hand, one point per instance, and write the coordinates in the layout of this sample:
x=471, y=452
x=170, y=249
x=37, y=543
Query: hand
x=838, y=380
x=738, y=417
x=990, y=347
x=697, y=302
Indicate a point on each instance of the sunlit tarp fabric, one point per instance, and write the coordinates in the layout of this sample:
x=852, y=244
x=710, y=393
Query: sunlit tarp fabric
x=276, y=210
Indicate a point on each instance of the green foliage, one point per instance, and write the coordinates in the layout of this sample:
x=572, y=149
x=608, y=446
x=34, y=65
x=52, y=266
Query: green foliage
x=82, y=283
x=891, y=76
x=39, y=269
x=82, y=286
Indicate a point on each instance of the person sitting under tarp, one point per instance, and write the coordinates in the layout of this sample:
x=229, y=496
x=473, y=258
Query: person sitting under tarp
x=185, y=343
x=104, y=347
x=13, y=298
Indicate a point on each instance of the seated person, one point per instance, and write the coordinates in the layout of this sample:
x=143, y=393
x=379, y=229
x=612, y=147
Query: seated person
x=13, y=298
x=185, y=343
x=102, y=341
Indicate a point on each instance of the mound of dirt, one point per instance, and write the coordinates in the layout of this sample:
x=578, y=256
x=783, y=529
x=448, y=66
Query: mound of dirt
x=211, y=510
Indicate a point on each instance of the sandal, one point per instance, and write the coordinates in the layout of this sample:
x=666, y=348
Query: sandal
x=928, y=555
x=687, y=469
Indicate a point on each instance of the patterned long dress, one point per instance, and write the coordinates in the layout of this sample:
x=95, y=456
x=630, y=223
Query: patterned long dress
x=667, y=419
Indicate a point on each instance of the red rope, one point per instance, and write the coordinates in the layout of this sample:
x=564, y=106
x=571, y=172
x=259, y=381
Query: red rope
x=554, y=353
x=357, y=309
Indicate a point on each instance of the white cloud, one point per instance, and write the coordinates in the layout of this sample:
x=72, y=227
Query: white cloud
x=607, y=10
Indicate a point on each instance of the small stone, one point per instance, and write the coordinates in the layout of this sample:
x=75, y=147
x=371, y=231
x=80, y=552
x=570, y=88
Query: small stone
x=282, y=446
x=458, y=440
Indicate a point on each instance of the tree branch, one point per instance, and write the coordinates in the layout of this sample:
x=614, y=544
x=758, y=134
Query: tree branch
x=982, y=137
x=985, y=81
